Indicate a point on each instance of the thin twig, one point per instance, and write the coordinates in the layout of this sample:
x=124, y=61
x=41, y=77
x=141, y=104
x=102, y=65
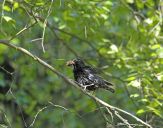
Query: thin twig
x=3, y=126
x=37, y=39
x=160, y=21
x=85, y=31
x=51, y=105
x=59, y=106
x=31, y=125
x=8, y=121
x=21, y=31
x=103, y=113
x=111, y=114
x=9, y=73
x=43, y=36
x=19, y=107
x=44, y=26
x=124, y=120
x=2, y=14
x=133, y=125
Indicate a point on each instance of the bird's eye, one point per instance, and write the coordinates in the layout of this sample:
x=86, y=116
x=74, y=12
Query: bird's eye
x=75, y=61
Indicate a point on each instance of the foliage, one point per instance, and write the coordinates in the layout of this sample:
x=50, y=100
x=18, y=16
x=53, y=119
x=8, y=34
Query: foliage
x=123, y=39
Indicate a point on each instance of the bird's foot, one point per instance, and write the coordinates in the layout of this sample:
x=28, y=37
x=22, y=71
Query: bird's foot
x=85, y=86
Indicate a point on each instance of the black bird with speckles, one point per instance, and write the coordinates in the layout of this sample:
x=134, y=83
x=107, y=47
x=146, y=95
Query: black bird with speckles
x=87, y=77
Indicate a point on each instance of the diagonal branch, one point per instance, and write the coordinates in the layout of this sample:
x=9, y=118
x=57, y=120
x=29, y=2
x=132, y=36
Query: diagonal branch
x=71, y=82
x=22, y=30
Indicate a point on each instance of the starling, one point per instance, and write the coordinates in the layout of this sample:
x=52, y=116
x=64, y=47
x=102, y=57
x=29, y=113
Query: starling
x=87, y=78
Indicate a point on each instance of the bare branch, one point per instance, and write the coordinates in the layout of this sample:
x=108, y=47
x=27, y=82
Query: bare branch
x=2, y=14
x=7, y=119
x=44, y=26
x=124, y=120
x=31, y=125
x=22, y=30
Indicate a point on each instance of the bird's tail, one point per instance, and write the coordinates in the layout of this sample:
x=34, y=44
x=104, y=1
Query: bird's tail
x=111, y=89
x=108, y=86
x=108, y=83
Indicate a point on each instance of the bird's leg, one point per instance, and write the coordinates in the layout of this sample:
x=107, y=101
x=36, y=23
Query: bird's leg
x=85, y=86
x=82, y=86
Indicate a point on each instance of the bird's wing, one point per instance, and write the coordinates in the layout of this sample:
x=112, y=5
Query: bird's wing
x=98, y=82
x=94, y=78
x=83, y=77
x=105, y=81
x=90, y=69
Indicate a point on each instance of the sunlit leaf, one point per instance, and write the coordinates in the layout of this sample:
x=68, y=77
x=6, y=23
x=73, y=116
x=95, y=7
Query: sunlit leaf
x=2, y=48
x=159, y=76
x=160, y=52
x=148, y=21
x=113, y=48
x=135, y=83
x=141, y=111
x=155, y=103
x=157, y=112
x=6, y=8
x=155, y=46
x=134, y=95
x=130, y=1
x=7, y=18
x=144, y=100
x=131, y=78
x=16, y=5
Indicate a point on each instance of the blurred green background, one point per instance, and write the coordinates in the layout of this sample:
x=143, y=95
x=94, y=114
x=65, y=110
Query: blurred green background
x=123, y=39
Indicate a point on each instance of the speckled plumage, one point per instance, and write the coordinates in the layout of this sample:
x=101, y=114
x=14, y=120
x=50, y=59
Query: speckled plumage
x=87, y=77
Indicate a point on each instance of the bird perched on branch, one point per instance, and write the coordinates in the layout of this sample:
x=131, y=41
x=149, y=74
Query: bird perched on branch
x=87, y=78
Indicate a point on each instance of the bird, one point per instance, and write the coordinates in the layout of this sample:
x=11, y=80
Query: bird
x=87, y=77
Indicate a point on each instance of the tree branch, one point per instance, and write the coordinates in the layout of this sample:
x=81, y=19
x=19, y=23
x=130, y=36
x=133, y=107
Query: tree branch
x=71, y=82
x=24, y=29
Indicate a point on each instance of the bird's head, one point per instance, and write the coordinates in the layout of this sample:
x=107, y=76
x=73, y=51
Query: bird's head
x=76, y=63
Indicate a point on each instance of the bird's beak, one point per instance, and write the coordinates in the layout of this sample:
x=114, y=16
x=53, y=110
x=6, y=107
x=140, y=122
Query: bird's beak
x=70, y=63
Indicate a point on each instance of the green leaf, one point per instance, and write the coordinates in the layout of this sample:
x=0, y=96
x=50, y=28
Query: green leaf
x=3, y=48
x=131, y=78
x=148, y=21
x=6, y=8
x=7, y=18
x=134, y=95
x=155, y=103
x=16, y=5
x=159, y=76
x=144, y=100
x=156, y=111
x=135, y=83
x=140, y=111
x=114, y=48
x=130, y=1
x=40, y=4
x=155, y=46
x=160, y=52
